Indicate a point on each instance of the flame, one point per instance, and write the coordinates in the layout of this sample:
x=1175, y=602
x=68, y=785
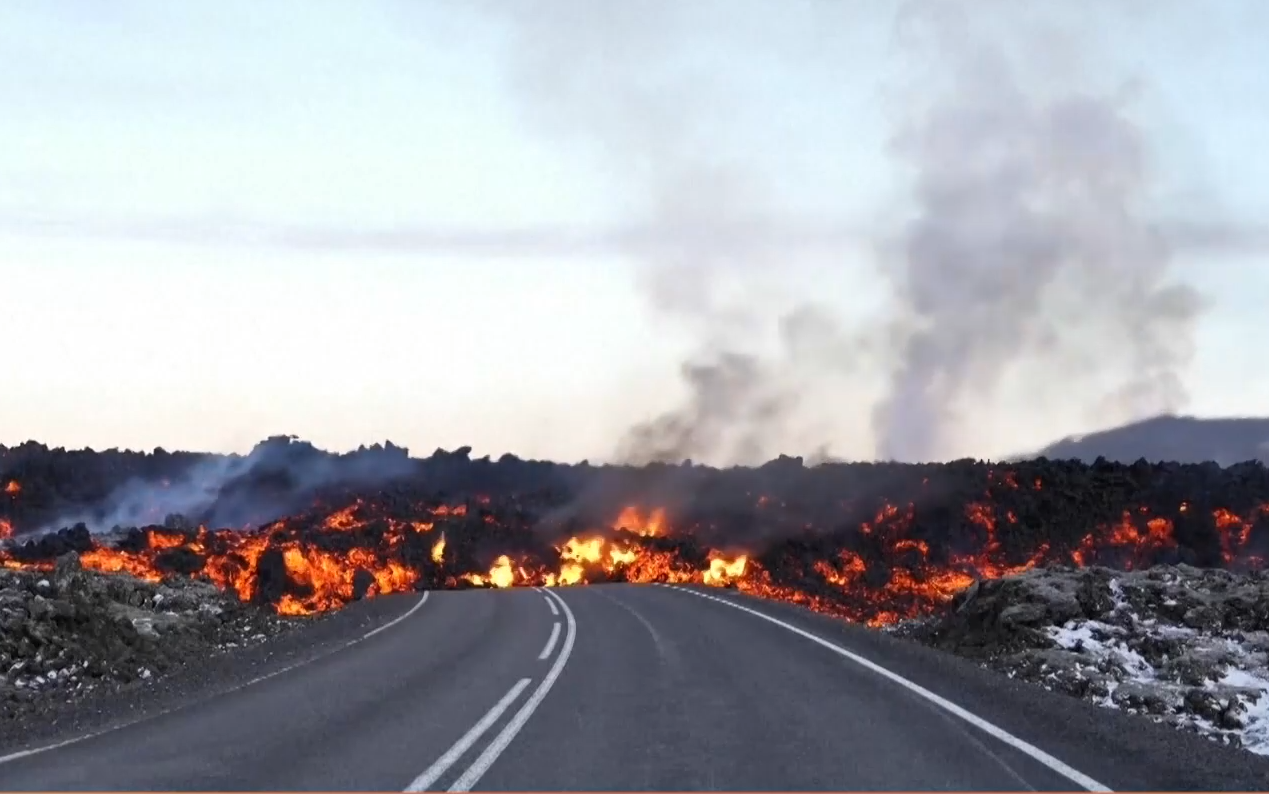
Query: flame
x=723, y=571
x=159, y=539
x=13, y=487
x=1234, y=532
x=583, y=551
x=502, y=574
x=330, y=576
x=622, y=559
x=570, y=573
x=874, y=571
x=622, y=555
x=633, y=519
x=115, y=561
x=235, y=571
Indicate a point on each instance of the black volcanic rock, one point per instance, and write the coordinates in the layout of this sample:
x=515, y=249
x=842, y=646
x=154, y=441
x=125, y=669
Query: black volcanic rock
x=1030, y=503
x=271, y=580
x=362, y=581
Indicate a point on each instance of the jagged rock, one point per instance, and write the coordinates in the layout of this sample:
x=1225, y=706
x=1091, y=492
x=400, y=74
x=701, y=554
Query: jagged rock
x=191, y=594
x=1183, y=645
x=179, y=561
x=1202, y=618
x=39, y=608
x=1197, y=665
x=70, y=631
x=1224, y=706
x=1030, y=613
x=1152, y=698
x=362, y=581
x=271, y=578
x=1061, y=670
x=67, y=572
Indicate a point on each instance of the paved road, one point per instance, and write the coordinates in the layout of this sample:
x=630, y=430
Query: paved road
x=630, y=687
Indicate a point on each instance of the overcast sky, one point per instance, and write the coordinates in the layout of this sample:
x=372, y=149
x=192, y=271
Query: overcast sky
x=429, y=221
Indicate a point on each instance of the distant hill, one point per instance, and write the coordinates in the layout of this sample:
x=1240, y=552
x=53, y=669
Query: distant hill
x=1185, y=439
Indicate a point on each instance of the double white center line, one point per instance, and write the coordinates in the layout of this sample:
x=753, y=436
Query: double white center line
x=504, y=738
x=550, y=641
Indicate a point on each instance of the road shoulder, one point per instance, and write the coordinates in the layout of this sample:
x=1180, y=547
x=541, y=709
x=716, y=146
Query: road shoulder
x=203, y=678
x=1121, y=750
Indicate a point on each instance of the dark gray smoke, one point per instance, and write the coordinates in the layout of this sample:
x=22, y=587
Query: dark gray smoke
x=1027, y=262
x=278, y=477
x=730, y=410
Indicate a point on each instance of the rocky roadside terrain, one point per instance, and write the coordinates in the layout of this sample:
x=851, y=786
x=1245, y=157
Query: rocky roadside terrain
x=1189, y=647
x=83, y=651
x=70, y=633
x=1180, y=645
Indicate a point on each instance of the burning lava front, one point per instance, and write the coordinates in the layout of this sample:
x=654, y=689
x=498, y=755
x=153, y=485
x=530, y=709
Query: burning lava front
x=900, y=561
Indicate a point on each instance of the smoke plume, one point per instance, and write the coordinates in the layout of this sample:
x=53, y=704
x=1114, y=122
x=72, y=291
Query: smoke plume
x=279, y=476
x=619, y=81
x=1024, y=201
x=1027, y=260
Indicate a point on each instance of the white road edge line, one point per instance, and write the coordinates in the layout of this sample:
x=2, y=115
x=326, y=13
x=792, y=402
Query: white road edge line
x=550, y=641
x=4, y=759
x=1069, y=772
x=551, y=604
x=486, y=759
x=394, y=621
x=430, y=775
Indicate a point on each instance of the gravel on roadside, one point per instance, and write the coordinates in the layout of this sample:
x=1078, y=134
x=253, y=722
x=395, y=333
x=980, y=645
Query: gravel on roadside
x=82, y=651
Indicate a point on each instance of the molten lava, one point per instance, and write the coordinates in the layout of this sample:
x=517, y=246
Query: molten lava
x=633, y=519
x=724, y=571
x=875, y=569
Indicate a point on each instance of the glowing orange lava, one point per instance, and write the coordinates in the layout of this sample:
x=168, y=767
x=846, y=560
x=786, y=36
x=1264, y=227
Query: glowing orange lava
x=879, y=572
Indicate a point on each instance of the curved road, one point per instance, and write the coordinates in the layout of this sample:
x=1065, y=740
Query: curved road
x=625, y=687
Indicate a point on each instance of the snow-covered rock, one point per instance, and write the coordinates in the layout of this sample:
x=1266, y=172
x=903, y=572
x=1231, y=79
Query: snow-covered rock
x=1180, y=645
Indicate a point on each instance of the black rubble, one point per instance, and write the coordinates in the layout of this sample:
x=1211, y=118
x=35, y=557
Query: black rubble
x=69, y=632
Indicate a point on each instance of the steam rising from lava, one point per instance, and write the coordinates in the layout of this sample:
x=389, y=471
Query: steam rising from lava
x=277, y=477
x=1028, y=230
x=1027, y=258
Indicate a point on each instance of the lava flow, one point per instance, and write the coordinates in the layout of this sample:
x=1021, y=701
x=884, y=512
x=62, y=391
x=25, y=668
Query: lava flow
x=894, y=562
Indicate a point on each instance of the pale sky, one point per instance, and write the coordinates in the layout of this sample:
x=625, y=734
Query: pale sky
x=362, y=221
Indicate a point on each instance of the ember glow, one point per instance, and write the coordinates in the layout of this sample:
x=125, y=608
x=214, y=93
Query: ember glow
x=634, y=520
x=874, y=569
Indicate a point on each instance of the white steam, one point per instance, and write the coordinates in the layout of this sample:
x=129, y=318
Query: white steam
x=1027, y=260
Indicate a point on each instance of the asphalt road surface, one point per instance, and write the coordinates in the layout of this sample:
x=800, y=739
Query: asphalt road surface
x=625, y=687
